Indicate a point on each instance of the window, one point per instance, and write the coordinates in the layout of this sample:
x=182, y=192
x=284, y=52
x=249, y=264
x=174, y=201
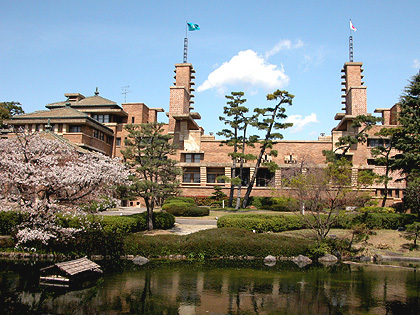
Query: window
x=379, y=143
x=132, y=120
x=192, y=158
x=95, y=133
x=101, y=136
x=75, y=129
x=118, y=142
x=213, y=173
x=101, y=118
x=191, y=175
x=265, y=178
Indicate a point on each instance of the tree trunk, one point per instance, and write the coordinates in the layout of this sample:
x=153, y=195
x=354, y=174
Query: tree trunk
x=254, y=176
x=149, y=214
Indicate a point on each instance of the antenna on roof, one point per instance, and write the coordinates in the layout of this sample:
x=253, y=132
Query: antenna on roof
x=96, y=92
x=125, y=92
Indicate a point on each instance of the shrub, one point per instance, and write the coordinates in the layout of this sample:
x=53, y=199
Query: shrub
x=284, y=204
x=120, y=224
x=179, y=200
x=274, y=203
x=261, y=222
x=203, y=201
x=388, y=221
x=9, y=220
x=185, y=210
x=377, y=210
x=216, y=243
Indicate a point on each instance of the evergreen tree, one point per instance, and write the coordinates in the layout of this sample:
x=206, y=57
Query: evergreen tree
x=147, y=151
x=383, y=157
x=408, y=135
x=236, y=121
x=9, y=109
x=269, y=124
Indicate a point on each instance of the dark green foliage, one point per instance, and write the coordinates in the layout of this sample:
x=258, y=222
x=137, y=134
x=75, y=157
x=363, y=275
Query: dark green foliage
x=408, y=135
x=279, y=223
x=387, y=221
x=371, y=209
x=216, y=243
x=412, y=195
x=9, y=220
x=183, y=209
x=267, y=121
x=413, y=233
x=261, y=222
x=9, y=109
x=282, y=204
x=6, y=242
x=147, y=150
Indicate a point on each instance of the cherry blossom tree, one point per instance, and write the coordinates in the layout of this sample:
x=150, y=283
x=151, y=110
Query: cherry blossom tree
x=43, y=175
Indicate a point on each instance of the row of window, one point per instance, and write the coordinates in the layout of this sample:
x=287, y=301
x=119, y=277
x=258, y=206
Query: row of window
x=102, y=118
x=264, y=178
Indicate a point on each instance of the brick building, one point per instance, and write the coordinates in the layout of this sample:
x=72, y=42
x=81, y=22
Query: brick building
x=96, y=123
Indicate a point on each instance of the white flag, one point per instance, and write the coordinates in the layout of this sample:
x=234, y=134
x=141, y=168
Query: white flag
x=352, y=27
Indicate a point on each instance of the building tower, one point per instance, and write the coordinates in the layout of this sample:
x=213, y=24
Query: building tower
x=181, y=119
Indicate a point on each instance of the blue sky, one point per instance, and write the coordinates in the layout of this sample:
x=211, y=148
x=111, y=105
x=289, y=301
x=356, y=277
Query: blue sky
x=48, y=48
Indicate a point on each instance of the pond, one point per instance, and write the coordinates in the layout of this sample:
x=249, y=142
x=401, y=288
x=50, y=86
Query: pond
x=216, y=287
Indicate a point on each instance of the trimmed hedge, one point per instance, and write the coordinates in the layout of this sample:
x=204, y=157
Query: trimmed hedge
x=279, y=223
x=216, y=243
x=180, y=199
x=183, y=209
x=261, y=222
x=284, y=204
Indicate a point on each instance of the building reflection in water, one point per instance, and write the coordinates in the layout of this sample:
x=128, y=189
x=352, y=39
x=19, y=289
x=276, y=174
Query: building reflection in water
x=186, y=288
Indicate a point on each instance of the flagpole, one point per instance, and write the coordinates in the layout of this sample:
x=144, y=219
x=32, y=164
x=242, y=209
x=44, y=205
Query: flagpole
x=186, y=43
x=350, y=44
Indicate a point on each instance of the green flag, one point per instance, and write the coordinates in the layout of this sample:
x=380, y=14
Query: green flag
x=193, y=27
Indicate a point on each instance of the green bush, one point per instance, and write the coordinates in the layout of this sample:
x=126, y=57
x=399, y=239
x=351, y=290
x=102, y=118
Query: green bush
x=180, y=199
x=183, y=209
x=284, y=204
x=9, y=220
x=120, y=224
x=387, y=221
x=261, y=222
x=161, y=220
x=377, y=210
x=216, y=243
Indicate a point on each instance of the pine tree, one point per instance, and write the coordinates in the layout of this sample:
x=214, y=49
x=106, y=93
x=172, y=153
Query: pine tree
x=269, y=124
x=236, y=121
x=147, y=151
x=408, y=135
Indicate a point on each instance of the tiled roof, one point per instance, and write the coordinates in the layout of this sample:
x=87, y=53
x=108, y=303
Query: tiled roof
x=53, y=113
x=95, y=100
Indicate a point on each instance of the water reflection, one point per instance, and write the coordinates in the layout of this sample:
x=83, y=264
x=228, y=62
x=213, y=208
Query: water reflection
x=218, y=287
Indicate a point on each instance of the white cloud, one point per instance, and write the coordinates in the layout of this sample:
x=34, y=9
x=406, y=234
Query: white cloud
x=299, y=122
x=246, y=68
x=416, y=63
x=282, y=45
